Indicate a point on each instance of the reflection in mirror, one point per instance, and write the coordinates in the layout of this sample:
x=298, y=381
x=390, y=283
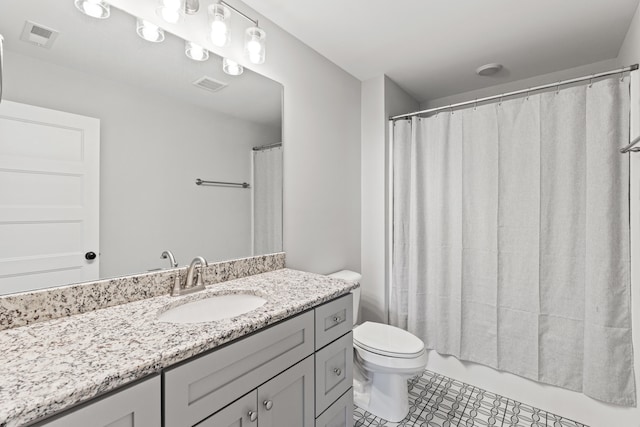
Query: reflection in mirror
x=102, y=138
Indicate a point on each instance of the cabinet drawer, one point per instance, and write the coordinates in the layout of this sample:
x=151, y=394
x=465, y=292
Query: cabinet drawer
x=206, y=384
x=134, y=406
x=340, y=414
x=333, y=320
x=334, y=372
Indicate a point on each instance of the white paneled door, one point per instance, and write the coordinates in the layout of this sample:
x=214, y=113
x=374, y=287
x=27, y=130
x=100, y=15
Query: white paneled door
x=49, y=197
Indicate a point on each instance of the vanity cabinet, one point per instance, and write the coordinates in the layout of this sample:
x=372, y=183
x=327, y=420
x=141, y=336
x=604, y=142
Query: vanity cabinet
x=137, y=405
x=296, y=373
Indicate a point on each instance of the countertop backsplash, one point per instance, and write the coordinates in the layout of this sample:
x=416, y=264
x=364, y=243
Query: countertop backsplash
x=46, y=304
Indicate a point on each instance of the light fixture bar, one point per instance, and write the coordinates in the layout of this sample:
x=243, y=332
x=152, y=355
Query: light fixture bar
x=255, y=21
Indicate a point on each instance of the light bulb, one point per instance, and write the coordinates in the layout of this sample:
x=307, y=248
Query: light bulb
x=93, y=8
x=219, y=33
x=218, y=20
x=171, y=10
x=169, y=15
x=254, y=58
x=254, y=47
x=232, y=67
x=149, y=31
x=196, y=52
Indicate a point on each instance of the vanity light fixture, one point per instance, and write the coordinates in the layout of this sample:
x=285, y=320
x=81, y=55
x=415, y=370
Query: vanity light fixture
x=219, y=15
x=172, y=11
x=93, y=8
x=232, y=67
x=196, y=52
x=254, y=45
x=254, y=40
x=149, y=31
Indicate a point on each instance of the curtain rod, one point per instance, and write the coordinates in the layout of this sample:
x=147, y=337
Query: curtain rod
x=517, y=92
x=266, y=147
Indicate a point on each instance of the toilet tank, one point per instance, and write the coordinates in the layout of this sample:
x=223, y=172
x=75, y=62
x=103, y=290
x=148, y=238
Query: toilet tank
x=351, y=276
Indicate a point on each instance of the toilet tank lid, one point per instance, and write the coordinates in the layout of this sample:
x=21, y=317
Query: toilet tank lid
x=348, y=275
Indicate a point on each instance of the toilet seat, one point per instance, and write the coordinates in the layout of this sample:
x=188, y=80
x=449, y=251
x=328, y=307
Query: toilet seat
x=386, y=340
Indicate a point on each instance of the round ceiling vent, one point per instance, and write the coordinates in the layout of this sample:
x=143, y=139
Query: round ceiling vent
x=488, y=69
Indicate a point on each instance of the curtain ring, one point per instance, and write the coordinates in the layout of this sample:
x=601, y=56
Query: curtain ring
x=528, y=92
x=475, y=105
x=500, y=103
x=622, y=77
x=558, y=88
x=451, y=109
x=591, y=81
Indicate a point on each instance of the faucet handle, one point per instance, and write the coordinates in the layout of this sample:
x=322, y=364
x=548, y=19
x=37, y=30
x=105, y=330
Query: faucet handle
x=199, y=274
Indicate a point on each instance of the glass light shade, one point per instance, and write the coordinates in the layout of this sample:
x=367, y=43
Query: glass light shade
x=219, y=16
x=171, y=11
x=254, y=45
x=93, y=8
x=232, y=67
x=196, y=52
x=149, y=31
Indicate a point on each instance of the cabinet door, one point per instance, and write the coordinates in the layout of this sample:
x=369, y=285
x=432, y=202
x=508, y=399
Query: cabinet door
x=340, y=414
x=241, y=413
x=287, y=400
x=135, y=406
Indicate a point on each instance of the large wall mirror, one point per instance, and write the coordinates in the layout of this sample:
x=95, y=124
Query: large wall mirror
x=65, y=74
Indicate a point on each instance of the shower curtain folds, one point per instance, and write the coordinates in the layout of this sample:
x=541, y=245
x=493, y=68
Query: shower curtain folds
x=511, y=237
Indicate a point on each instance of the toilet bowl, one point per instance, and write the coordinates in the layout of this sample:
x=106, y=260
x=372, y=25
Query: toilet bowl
x=385, y=357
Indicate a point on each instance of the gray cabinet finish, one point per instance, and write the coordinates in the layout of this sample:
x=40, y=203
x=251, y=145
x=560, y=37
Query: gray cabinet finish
x=268, y=379
x=333, y=320
x=287, y=400
x=334, y=371
x=238, y=414
x=206, y=384
x=134, y=406
x=340, y=414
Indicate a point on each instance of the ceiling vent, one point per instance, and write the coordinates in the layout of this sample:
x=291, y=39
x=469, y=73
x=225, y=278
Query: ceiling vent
x=209, y=84
x=38, y=34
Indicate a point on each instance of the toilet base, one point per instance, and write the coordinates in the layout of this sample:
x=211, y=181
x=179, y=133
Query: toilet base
x=387, y=397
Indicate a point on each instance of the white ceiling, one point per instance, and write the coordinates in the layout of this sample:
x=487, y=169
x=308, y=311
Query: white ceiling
x=112, y=50
x=432, y=47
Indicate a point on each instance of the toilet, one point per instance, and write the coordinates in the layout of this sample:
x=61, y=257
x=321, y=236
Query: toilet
x=384, y=358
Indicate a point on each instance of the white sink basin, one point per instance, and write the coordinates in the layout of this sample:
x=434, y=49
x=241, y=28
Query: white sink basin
x=213, y=308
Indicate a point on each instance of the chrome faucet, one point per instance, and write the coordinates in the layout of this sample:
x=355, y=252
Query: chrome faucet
x=189, y=287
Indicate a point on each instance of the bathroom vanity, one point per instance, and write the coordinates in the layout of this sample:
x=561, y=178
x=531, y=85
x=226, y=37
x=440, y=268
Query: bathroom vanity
x=288, y=363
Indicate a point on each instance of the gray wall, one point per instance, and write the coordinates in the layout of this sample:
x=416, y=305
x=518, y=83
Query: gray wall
x=152, y=150
x=381, y=98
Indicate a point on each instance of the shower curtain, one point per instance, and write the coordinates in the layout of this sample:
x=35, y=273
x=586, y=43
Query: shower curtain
x=511, y=237
x=267, y=201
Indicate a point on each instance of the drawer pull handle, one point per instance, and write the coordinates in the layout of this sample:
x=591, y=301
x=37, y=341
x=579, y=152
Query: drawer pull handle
x=252, y=416
x=268, y=404
x=337, y=371
x=337, y=319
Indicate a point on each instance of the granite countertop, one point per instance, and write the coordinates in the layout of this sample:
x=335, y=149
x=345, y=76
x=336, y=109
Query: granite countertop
x=49, y=366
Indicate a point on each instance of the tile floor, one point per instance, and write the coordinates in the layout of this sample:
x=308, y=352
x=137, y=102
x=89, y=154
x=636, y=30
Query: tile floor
x=439, y=401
